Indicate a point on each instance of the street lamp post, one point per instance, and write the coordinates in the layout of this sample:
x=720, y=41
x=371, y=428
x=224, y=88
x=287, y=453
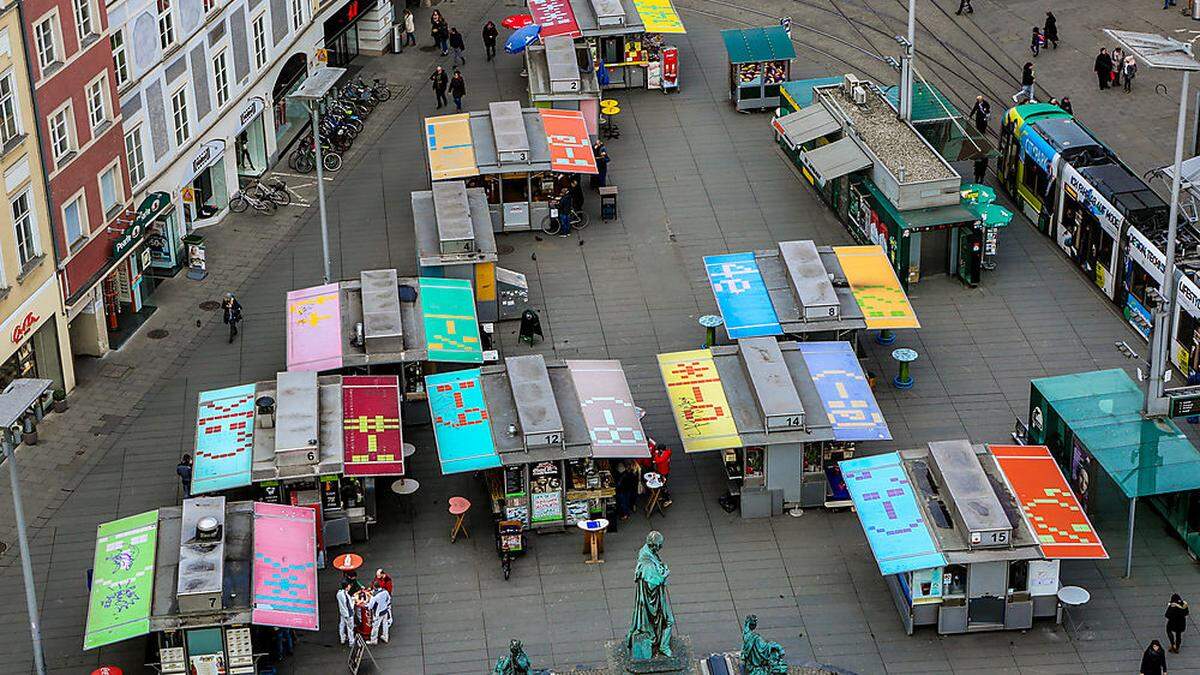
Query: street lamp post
x=315, y=88
x=905, y=95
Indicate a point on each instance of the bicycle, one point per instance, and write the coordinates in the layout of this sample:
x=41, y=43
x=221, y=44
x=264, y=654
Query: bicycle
x=552, y=225
x=273, y=189
x=244, y=200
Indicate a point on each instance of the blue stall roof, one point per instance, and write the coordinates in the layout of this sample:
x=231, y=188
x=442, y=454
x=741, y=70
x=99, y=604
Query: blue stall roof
x=888, y=511
x=844, y=391
x=742, y=295
x=755, y=45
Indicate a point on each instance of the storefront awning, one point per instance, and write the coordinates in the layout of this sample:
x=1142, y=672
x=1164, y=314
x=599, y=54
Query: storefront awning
x=451, y=326
x=805, y=125
x=845, y=392
x=314, y=328
x=461, y=425
x=741, y=295
x=224, y=439
x=372, y=441
x=1050, y=507
x=756, y=45
x=285, y=567
x=702, y=413
x=612, y=419
x=835, y=159
x=876, y=287
x=889, y=514
x=122, y=580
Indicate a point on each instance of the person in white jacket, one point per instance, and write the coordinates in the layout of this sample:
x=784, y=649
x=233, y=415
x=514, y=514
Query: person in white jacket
x=345, y=605
x=380, y=607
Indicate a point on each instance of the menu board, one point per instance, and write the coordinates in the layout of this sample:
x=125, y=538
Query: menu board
x=577, y=510
x=517, y=511
x=514, y=483
x=547, y=506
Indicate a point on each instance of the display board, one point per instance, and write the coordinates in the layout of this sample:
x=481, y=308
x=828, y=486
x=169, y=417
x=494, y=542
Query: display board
x=449, y=146
x=845, y=392
x=888, y=511
x=285, y=567
x=224, y=439
x=122, y=580
x=876, y=287
x=567, y=137
x=608, y=410
x=460, y=422
x=698, y=401
x=547, y=506
x=741, y=295
x=314, y=328
x=451, y=327
x=659, y=16
x=372, y=441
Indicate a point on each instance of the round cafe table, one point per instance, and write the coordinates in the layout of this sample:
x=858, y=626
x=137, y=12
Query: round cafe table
x=593, y=538
x=655, y=483
x=904, y=356
x=710, y=323
x=1070, y=597
x=409, y=450
x=406, y=488
x=347, y=562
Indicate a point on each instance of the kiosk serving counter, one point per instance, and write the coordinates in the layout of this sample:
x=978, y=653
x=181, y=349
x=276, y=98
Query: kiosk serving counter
x=969, y=538
x=782, y=413
x=198, y=577
x=543, y=433
x=561, y=77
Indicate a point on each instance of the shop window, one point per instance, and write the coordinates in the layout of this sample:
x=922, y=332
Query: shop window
x=45, y=37
x=110, y=189
x=28, y=247
x=1018, y=576
x=166, y=25
x=10, y=120
x=97, y=102
x=954, y=580
x=75, y=220
x=133, y=154
x=515, y=188
x=85, y=23
x=259, y=29
x=221, y=77
x=179, y=116
x=120, y=59
x=209, y=5
x=251, y=149
x=62, y=133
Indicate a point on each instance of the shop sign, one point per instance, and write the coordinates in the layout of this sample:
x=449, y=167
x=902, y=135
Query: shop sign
x=1108, y=217
x=152, y=207
x=188, y=195
x=208, y=154
x=27, y=318
x=322, y=56
x=24, y=328
x=331, y=496
x=1147, y=255
x=254, y=107
x=1189, y=297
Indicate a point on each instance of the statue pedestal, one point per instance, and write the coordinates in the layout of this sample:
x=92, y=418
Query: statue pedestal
x=619, y=660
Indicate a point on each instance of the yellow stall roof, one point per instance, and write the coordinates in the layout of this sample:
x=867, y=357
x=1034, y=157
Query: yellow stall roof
x=876, y=287
x=659, y=16
x=451, y=151
x=698, y=401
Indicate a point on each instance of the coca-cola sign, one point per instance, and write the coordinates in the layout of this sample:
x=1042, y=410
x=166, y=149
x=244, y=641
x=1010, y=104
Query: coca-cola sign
x=23, y=329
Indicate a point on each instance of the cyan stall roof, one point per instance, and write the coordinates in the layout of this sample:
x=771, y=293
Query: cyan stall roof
x=755, y=45
x=1104, y=410
x=800, y=92
x=929, y=104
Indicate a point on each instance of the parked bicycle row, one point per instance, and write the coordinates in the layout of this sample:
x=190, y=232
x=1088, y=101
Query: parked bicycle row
x=340, y=122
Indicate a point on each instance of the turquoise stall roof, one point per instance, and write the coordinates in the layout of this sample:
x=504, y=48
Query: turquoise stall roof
x=1103, y=409
x=800, y=92
x=755, y=45
x=929, y=104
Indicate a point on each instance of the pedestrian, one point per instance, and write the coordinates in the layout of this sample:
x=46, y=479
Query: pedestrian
x=184, y=471
x=1036, y=42
x=1118, y=62
x=981, y=167
x=489, y=39
x=410, y=29
x=576, y=193
x=627, y=487
x=1177, y=612
x=1103, y=68
x=1066, y=105
x=383, y=580
x=232, y=314
x=440, y=82
x=285, y=643
x=1167, y=4
x=457, y=44
x=564, y=212
x=1129, y=70
x=458, y=89
x=602, y=160
x=380, y=608
x=1027, y=79
x=965, y=5
x=1050, y=29
x=980, y=113
x=440, y=31
x=1154, y=660
x=345, y=606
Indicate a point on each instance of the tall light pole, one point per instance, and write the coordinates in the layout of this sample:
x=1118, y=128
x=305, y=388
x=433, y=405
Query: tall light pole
x=1167, y=54
x=19, y=400
x=315, y=88
x=905, y=95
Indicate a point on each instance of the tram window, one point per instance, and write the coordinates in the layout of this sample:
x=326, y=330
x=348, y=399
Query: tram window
x=1138, y=282
x=1034, y=179
x=1104, y=253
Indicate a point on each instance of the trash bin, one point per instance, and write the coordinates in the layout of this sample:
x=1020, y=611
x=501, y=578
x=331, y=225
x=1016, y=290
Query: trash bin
x=266, y=412
x=608, y=202
x=398, y=38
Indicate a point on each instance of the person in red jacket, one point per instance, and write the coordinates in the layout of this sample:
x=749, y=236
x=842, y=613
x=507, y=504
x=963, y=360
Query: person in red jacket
x=660, y=463
x=383, y=580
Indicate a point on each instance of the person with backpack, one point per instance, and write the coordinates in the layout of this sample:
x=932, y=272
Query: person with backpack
x=232, y=315
x=1129, y=68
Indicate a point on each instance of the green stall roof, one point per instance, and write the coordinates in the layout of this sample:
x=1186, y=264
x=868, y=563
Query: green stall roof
x=800, y=92
x=1103, y=409
x=755, y=45
x=919, y=218
x=929, y=104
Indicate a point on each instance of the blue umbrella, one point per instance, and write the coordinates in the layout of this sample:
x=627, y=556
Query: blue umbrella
x=522, y=38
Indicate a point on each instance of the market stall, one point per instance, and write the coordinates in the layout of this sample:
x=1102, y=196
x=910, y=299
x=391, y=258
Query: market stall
x=969, y=538
x=522, y=158
x=545, y=434
x=760, y=61
x=455, y=240
x=199, y=577
x=627, y=39
x=783, y=414
x=561, y=76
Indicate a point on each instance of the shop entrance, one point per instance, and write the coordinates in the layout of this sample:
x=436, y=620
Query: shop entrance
x=291, y=117
x=127, y=294
x=341, y=32
x=250, y=143
x=36, y=357
x=987, y=584
x=206, y=195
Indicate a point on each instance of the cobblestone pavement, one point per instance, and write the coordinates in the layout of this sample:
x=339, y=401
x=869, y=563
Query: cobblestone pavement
x=696, y=179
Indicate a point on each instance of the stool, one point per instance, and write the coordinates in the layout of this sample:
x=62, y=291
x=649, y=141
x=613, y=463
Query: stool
x=885, y=337
x=905, y=356
x=655, y=483
x=710, y=323
x=593, y=538
x=458, y=508
x=608, y=110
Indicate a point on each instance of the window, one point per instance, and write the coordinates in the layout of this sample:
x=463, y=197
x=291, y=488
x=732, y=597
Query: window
x=110, y=190
x=117, y=40
x=27, y=243
x=97, y=102
x=179, y=115
x=44, y=36
x=83, y=19
x=74, y=220
x=60, y=133
x=297, y=14
x=221, y=78
x=10, y=120
x=166, y=25
x=260, y=41
x=133, y=153
x=209, y=5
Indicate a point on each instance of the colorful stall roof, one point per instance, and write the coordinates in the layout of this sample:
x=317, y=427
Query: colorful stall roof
x=224, y=439
x=122, y=580
x=876, y=288
x=372, y=444
x=612, y=419
x=314, y=328
x=555, y=17
x=888, y=511
x=285, y=566
x=698, y=401
x=1050, y=507
x=451, y=329
x=742, y=295
x=659, y=16
x=844, y=392
x=567, y=136
x=461, y=424
x=450, y=148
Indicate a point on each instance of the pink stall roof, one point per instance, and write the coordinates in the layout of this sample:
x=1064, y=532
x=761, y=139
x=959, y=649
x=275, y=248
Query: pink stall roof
x=285, y=566
x=314, y=328
x=613, y=422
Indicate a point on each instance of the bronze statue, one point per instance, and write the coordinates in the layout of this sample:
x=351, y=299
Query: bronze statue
x=760, y=657
x=515, y=663
x=650, y=630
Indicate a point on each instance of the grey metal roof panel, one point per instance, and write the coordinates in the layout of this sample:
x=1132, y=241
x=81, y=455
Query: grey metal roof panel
x=538, y=80
x=509, y=136
x=429, y=252
x=585, y=18
x=837, y=159
x=807, y=124
x=383, y=330
x=502, y=411
x=486, y=159
x=412, y=322
x=771, y=383
x=746, y=415
x=787, y=310
x=330, y=436
x=809, y=280
x=238, y=566
x=297, y=416
x=451, y=211
x=537, y=407
x=562, y=65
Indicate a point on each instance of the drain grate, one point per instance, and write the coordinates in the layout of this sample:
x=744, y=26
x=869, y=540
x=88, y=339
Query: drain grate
x=158, y=334
x=210, y=305
x=504, y=249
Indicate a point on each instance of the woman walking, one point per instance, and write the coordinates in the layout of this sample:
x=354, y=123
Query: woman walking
x=1027, y=79
x=1118, y=61
x=489, y=39
x=1050, y=29
x=440, y=31
x=1154, y=660
x=1177, y=612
